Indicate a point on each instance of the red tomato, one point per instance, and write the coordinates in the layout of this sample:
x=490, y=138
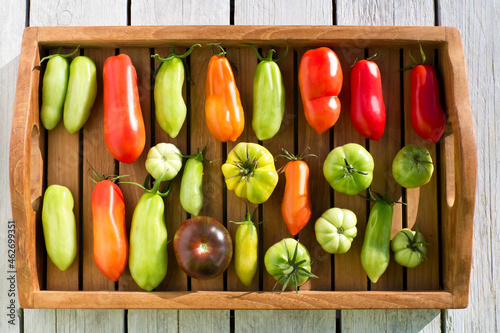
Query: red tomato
x=367, y=101
x=427, y=116
x=124, y=131
x=108, y=223
x=320, y=82
x=296, y=205
x=203, y=247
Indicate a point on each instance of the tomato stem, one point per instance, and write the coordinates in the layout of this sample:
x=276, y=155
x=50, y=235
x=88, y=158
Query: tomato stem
x=222, y=52
x=59, y=54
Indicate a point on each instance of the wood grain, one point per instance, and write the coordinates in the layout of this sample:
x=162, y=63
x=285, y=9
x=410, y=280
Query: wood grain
x=152, y=321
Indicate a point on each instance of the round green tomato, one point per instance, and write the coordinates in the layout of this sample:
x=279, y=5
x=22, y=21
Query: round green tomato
x=249, y=171
x=164, y=159
x=289, y=263
x=409, y=248
x=349, y=168
x=412, y=167
x=335, y=230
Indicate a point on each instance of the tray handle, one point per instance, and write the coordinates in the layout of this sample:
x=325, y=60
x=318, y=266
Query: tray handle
x=461, y=212
x=26, y=167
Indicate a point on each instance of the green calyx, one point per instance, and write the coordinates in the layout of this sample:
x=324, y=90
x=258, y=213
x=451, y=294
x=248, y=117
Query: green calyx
x=269, y=55
x=102, y=177
x=173, y=54
x=414, y=244
x=155, y=189
x=349, y=170
x=248, y=220
x=58, y=54
x=285, y=154
x=415, y=62
x=222, y=52
x=199, y=155
x=292, y=270
x=382, y=198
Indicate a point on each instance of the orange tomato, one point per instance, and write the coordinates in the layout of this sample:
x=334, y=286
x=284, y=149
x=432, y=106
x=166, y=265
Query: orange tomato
x=296, y=205
x=223, y=111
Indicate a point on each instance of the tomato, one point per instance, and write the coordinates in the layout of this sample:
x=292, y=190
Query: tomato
x=59, y=226
x=349, y=168
x=367, y=100
x=191, y=193
x=296, y=206
x=412, y=166
x=375, y=253
x=320, y=82
x=81, y=93
x=109, y=229
x=288, y=262
x=223, y=111
x=409, y=248
x=268, y=97
x=148, y=239
x=246, y=243
x=170, y=108
x=164, y=160
x=249, y=171
x=336, y=229
x=124, y=131
x=427, y=116
x=203, y=247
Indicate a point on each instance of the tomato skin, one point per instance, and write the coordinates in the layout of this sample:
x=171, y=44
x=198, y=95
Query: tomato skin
x=367, y=100
x=412, y=166
x=409, y=248
x=124, y=131
x=223, y=111
x=427, y=116
x=109, y=229
x=296, y=206
x=320, y=82
x=203, y=247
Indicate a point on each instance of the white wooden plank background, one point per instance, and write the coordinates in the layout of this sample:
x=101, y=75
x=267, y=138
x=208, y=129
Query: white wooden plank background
x=477, y=21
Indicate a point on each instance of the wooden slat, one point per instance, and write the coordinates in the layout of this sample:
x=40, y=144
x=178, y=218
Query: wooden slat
x=213, y=184
x=277, y=321
x=131, y=194
x=245, y=63
x=383, y=152
x=422, y=209
x=152, y=321
x=310, y=142
x=210, y=320
x=97, y=155
x=176, y=279
x=88, y=320
x=349, y=273
x=39, y=320
x=63, y=161
x=392, y=321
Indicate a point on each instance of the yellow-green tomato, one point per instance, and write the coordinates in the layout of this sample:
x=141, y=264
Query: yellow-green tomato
x=336, y=229
x=245, y=251
x=59, y=226
x=164, y=160
x=409, y=248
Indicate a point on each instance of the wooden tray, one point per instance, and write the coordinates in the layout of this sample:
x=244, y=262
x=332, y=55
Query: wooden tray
x=443, y=209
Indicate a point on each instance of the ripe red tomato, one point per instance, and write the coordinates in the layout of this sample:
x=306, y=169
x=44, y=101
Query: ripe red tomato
x=320, y=82
x=427, y=116
x=124, y=131
x=203, y=247
x=367, y=101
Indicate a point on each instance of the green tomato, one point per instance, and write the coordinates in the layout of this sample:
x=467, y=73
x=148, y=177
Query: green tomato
x=55, y=84
x=246, y=250
x=412, y=167
x=335, y=230
x=164, y=159
x=289, y=262
x=81, y=93
x=249, y=171
x=409, y=248
x=191, y=194
x=59, y=226
x=349, y=168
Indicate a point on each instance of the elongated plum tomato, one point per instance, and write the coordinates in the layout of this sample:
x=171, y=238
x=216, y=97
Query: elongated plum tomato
x=203, y=247
x=124, y=131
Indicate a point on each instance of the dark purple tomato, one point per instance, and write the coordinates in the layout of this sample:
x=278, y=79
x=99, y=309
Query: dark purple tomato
x=203, y=247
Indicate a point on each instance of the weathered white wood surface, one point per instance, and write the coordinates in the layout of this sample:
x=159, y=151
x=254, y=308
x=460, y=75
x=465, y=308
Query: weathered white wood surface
x=476, y=19
x=11, y=29
x=478, y=22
